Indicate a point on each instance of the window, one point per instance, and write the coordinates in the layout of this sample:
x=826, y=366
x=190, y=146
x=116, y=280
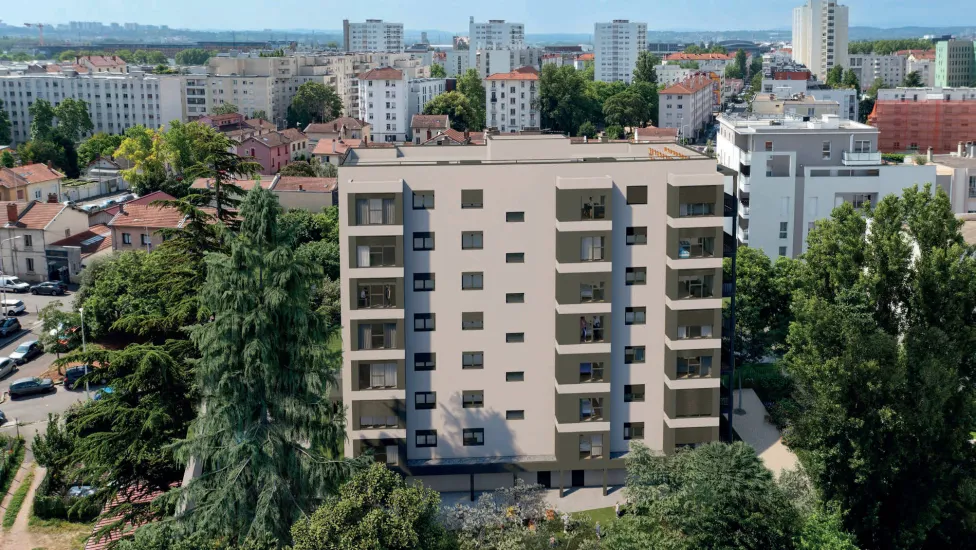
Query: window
x=423, y=322
x=826, y=150
x=590, y=446
x=864, y=146
x=784, y=228
x=473, y=399
x=635, y=316
x=634, y=393
x=591, y=408
x=636, y=235
x=424, y=361
x=377, y=375
x=472, y=320
x=633, y=355
x=376, y=422
x=769, y=146
x=472, y=198
x=376, y=255
x=515, y=376
x=472, y=240
x=515, y=258
x=513, y=217
x=423, y=200
x=375, y=212
x=696, y=286
x=426, y=438
x=515, y=298
x=591, y=249
x=633, y=430
x=696, y=209
x=423, y=241
x=472, y=281
x=423, y=400
x=473, y=437
x=862, y=200
x=635, y=276
x=782, y=251
x=473, y=360
x=126, y=238
x=690, y=367
x=637, y=194
x=591, y=372
x=972, y=187
x=30, y=264
x=514, y=415
x=377, y=335
x=376, y=295
x=423, y=282
x=514, y=337
x=696, y=247
x=694, y=331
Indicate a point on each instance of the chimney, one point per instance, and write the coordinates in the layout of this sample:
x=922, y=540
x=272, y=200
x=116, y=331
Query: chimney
x=301, y=187
x=959, y=149
x=928, y=155
x=333, y=145
x=49, y=165
x=11, y=213
x=121, y=208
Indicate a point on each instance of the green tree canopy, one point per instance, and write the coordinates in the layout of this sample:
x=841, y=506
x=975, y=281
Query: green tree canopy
x=98, y=145
x=4, y=125
x=888, y=47
x=74, y=121
x=224, y=109
x=42, y=120
x=437, y=71
x=193, y=56
x=314, y=102
x=7, y=159
x=626, y=109
x=587, y=129
x=145, y=150
x=562, y=101
x=835, y=77
x=299, y=168
x=261, y=114
x=473, y=88
x=762, y=303
x=457, y=107
x=644, y=70
x=913, y=80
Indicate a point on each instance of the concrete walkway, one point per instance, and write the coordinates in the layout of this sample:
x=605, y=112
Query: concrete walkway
x=762, y=435
x=577, y=499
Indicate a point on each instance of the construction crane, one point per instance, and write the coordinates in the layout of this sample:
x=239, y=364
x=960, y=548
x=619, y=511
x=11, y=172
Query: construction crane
x=40, y=29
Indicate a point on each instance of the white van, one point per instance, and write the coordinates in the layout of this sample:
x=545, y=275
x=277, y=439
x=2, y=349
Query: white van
x=13, y=284
x=13, y=307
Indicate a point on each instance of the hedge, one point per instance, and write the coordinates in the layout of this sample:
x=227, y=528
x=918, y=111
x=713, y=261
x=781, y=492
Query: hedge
x=58, y=506
x=13, y=455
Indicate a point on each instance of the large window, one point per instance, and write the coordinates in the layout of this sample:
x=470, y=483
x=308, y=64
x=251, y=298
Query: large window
x=472, y=320
x=633, y=393
x=591, y=328
x=591, y=249
x=423, y=200
x=696, y=286
x=863, y=146
x=635, y=316
x=633, y=354
x=472, y=399
x=376, y=255
x=696, y=247
x=372, y=422
x=594, y=208
x=472, y=198
x=693, y=367
x=424, y=361
x=472, y=240
x=423, y=400
x=635, y=276
x=694, y=331
x=375, y=212
x=376, y=295
x=696, y=209
x=590, y=446
x=591, y=408
x=633, y=430
x=972, y=187
x=426, y=438
x=377, y=335
x=377, y=375
x=423, y=282
x=473, y=437
x=636, y=194
x=636, y=235
x=592, y=292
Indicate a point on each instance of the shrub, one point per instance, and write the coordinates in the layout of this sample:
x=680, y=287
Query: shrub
x=60, y=506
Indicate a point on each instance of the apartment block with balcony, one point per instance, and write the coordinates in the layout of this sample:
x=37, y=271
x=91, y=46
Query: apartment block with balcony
x=528, y=308
x=496, y=34
x=617, y=45
x=793, y=172
x=511, y=100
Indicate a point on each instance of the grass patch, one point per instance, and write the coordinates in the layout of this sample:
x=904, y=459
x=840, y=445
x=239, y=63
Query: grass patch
x=16, y=501
x=604, y=515
x=76, y=534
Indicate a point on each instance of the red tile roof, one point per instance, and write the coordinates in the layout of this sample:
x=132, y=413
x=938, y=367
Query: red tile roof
x=336, y=146
x=383, y=73
x=272, y=139
x=437, y=122
x=699, y=57
x=20, y=176
x=477, y=138
x=36, y=215
x=517, y=74
x=260, y=124
x=918, y=54
x=587, y=57
x=103, y=60
x=145, y=199
x=689, y=85
x=333, y=126
x=245, y=184
x=653, y=133
x=140, y=215
x=223, y=117
x=293, y=134
x=96, y=239
x=136, y=496
x=450, y=133
x=311, y=185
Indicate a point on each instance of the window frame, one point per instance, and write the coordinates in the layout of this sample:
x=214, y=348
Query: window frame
x=428, y=322
x=514, y=337
x=515, y=414
x=472, y=360
x=633, y=431
x=636, y=199
x=472, y=205
x=515, y=298
x=515, y=376
x=635, y=355
x=427, y=435
x=424, y=400
x=470, y=278
x=473, y=437
x=423, y=195
x=635, y=393
x=635, y=276
x=427, y=280
x=636, y=236
x=514, y=217
x=426, y=359
x=636, y=316
x=475, y=240
x=423, y=236
x=473, y=399
x=515, y=257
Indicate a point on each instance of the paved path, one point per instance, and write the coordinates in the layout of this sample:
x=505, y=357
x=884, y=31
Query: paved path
x=577, y=499
x=763, y=436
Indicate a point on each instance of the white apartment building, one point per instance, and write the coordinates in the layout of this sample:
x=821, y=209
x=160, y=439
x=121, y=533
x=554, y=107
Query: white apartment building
x=792, y=173
x=845, y=97
x=869, y=67
x=510, y=101
x=820, y=35
x=490, y=62
x=616, y=46
x=687, y=105
x=384, y=103
x=706, y=62
x=957, y=174
x=515, y=312
x=250, y=94
x=116, y=101
x=672, y=73
x=421, y=92
x=496, y=34
x=924, y=64
x=374, y=35
x=456, y=63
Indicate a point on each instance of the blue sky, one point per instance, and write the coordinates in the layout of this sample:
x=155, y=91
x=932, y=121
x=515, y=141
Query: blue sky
x=539, y=16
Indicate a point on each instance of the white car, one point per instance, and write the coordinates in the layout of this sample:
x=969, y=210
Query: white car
x=7, y=366
x=13, y=284
x=12, y=307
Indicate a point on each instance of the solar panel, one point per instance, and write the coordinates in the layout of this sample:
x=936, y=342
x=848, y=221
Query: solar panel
x=93, y=240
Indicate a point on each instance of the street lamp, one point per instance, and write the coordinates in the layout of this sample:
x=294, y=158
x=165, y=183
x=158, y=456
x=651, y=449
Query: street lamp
x=3, y=288
x=84, y=349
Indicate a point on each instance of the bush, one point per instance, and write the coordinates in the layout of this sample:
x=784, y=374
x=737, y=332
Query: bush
x=893, y=157
x=60, y=506
x=13, y=455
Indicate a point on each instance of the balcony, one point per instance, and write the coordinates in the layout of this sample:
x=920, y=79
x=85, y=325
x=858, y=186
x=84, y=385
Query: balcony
x=744, y=210
x=743, y=235
x=744, y=184
x=699, y=329
x=582, y=334
x=694, y=289
x=691, y=408
x=375, y=214
x=583, y=413
x=746, y=158
x=694, y=248
x=376, y=298
x=862, y=159
x=583, y=293
x=376, y=257
x=583, y=253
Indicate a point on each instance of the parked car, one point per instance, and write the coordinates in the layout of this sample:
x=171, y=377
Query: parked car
x=74, y=374
x=79, y=491
x=31, y=386
x=51, y=288
x=3, y=418
x=127, y=197
x=13, y=284
x=7, y=366
x=13, y=307
x=9, y=326
x=27, y=351
x=108, y=202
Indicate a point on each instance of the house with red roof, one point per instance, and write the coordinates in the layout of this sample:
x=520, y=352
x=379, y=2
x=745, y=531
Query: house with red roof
x=424, y=127
x=70, y=255
x=136, y=226
x=102, y=63
x=511, y=100
x=30, y=182
x=341, y=128
x=687, y=105
x=30, y=226
x=297, y=144
x=270, y=150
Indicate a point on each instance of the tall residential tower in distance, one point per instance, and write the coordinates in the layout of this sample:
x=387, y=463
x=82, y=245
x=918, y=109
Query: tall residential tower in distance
x=617, y=45
x=496, y=34
x=372, y=36
x=820, y=35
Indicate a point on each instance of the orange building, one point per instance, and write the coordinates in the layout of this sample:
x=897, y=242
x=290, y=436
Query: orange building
x=914, y=119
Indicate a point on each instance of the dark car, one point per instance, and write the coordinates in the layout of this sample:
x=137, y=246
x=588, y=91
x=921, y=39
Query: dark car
x=31, y=386
x=27, y=351
x=9, y=326
x=73, y=374
x=51, y=288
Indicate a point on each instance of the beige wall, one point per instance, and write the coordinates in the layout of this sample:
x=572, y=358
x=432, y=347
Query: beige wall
x=135, y=234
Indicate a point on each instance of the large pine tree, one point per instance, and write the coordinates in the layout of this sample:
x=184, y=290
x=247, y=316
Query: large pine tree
x=267, y=437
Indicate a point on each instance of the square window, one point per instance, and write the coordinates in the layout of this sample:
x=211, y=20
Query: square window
x=126, y=238
x=635, y=316
x=472, y=281
x=514, y=415
x=590, y=446
x=633, y=354
x=423, y=241
x=636, y=276
x=473, y=437
x=633, y=430
x=423, y=322
x=782, y=251
x=472, y=240
x=517, y=376
x=636, y=235
x=473, y=360
x=591, y=371
x=426, y=438
x=472, y=198
x=423, y=200
x=515, y=258
x=423, y=400
x=636, y=194
x=784, y=228
x=769, y=146
x=514, y=217
x=591, y=408
x=423, y=282
x=472, y=399
x=515, y=298
x=472, y=320
x=514, y=337
x=424, y=361
x=634, y=393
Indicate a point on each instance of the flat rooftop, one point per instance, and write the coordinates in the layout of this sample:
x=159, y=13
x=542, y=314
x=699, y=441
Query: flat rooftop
x=756, y=124
x=954, y=161
x=509, y=149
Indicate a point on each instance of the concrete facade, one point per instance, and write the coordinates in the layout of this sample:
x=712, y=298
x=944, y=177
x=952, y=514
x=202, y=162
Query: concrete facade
x=374, y=35
x=384, y=105
x=496, y=34
x=845, y=97
x=955, y=63
x=510, y=101
x=869, y=67
x=687, y=105
x=617, y=45
x=820, y=35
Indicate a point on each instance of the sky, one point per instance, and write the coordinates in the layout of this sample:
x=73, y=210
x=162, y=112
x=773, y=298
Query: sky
x=539, y=16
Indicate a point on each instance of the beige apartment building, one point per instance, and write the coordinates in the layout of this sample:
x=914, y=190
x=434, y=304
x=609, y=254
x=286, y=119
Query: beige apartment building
x=529, y=307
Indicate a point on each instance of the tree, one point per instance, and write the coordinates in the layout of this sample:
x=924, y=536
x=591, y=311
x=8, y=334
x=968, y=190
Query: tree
x=145, y=151
x=327, y=170
x=473, y=88
x=68, y=55
x=224, y=109
x=60, y=330
x=222, y=168
x=98, y=145
x=300, y=168
x=649, y=95
x=835, y=76
x=614, y=132
x=913, y=80
x=644, y=70
x=74, y=122
x=562, y=102
x=499, y=518
x=193, y=56
x=42, y=152
x=260, y=114
x=4, y=124
x=878, y=84
x=437, y=71
x=738, y=68
x=457, y=107
x=376, y=509
x=823, y=530
x=587, y=129
x=851, y=81
x=329, y=300
x=762, y=303
x=156, y=58
x=880, y=354
x=597, y=94
x=314, y=102
x=755, y=66
x=42, y=120
x=626, y=109
x=267, y=434
x=6, y=159
x=187, y=144
x=125, y=55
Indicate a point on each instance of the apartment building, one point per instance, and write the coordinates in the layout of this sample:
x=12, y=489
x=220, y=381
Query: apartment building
x=687, y=106
x=474, y=356
x=820, y=35
x=456, y=63
x=374, y=35
x=795, y=106
x=957, y=174
x=496, y=34
x=914, y=119
x=511, y=100
x=491, y=62
x=672, y=73
x=955, y=63
x=617, y=45
x=846, y=97
x=29, y=228
x=921, y=62
x=870, y=67
x=116, y=101
x=804, y=169
x=385, y=98
x=421, y=92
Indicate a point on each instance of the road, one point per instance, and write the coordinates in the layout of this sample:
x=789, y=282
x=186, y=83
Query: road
x=98, y=201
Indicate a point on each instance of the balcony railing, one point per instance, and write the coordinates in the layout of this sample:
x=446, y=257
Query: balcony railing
x=743, y=235
x=744, y=210
x=862, y=159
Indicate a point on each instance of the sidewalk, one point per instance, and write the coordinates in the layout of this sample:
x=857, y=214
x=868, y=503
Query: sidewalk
x=763, y=436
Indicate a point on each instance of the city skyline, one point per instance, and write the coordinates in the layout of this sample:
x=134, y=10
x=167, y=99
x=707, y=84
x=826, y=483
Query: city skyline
x=575, y=16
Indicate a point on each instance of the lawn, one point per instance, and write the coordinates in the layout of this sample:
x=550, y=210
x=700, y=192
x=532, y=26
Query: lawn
x=603, y=515
x=56, y=534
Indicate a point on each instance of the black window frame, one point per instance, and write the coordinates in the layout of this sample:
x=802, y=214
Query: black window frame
x=471, y=275
x=469, y=437
x=515, y=376
x=424, y=235
x=635, y=271
x=634, y=234
x=473, y=205
x=514, y=337
x=425, y=279
x=633, y=352
x=473, y=234
x=635, y=393
x=424, y=195
x=515, y=257
x=427, y=360
x=474, y=355
x=515, y=414
x=426, y=434
x=426, y=405
x=514, y=297
x=514, y=217
x=637, y=312
x=633, y=431
x=477, y=399
x=432, y=317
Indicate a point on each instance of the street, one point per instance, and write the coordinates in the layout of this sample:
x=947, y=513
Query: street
x=99, y=200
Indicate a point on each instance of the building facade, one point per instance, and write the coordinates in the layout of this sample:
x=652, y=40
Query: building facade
x=496, y=34
x=820, y=35
x=955, y=63
x=914, y=119
x=473, y=356
x=921, y=62
x=687, y=105
x=421, y=92
x=846, y=97
x=511, y=101
x=31, y=226
x=491, y=62
x=870, y=67
x=617, y=45
x=374, y=35
x=385, y=94
x=957, y=174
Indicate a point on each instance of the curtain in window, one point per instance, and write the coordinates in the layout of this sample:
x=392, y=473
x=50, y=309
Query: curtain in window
x=682, y=332
x=389, y=211
x=706, y=331
x=362, y=211
x=365, y=336
x=362, y=255
x=389, y=335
